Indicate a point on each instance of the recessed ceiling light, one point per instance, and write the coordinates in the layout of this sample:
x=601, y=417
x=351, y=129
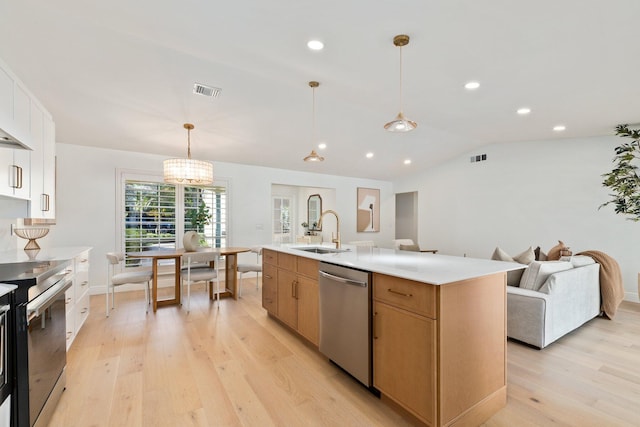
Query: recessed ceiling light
x=524, y=110
x=315, y=45
x=559, y=128
x=407, y=162
x=472, y=85
x=322, y=146
x=369, y=155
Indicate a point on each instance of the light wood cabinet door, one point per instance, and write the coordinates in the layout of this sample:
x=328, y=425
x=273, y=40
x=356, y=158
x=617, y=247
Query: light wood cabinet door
x=270, y=288
x=287, y=302
x=404, y=359
x=308, y=310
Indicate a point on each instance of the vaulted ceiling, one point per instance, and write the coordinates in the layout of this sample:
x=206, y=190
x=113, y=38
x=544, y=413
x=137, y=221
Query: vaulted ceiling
x=120, y=74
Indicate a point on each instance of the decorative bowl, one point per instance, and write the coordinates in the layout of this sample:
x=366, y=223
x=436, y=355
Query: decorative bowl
x=31, y=233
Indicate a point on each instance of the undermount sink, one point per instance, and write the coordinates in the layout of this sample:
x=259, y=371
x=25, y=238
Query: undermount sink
x=321, y=250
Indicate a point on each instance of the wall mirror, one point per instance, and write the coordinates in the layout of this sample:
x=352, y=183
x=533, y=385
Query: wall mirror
x=314, y=209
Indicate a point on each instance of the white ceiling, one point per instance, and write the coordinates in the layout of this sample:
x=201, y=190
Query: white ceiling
x=119, y=74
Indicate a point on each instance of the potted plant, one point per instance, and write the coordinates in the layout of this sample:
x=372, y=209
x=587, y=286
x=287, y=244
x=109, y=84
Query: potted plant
x=623, y=180
x=198, y=218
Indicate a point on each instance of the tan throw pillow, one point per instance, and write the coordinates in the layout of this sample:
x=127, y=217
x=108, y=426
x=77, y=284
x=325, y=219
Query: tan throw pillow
x=525, y=257
x=538, y=272
x=413, y=248
x=500, y=255
x=514, y=276
x=554, y=252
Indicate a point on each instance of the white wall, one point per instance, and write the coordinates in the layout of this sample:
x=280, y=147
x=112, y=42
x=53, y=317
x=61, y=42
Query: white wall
x=526, y=194
x=86, y=205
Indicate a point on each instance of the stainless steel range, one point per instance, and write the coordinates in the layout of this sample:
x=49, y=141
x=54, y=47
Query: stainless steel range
x=40, y=337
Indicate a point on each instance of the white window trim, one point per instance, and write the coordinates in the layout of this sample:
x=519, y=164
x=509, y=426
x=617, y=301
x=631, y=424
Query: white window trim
x=122, y=175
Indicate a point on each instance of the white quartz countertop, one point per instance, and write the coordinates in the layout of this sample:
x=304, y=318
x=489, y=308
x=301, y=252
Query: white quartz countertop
x=49, y=254
x=434, y=269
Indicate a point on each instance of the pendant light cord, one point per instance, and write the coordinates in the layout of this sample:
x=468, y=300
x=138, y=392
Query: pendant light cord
x=313, y=118
x=189, y=143
x=401, y=79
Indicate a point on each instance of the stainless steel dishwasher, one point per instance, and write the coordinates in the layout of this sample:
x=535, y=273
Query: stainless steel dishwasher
x=345, y=319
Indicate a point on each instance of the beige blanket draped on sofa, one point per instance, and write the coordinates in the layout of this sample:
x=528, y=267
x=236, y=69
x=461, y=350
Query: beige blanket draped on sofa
x=611, y=287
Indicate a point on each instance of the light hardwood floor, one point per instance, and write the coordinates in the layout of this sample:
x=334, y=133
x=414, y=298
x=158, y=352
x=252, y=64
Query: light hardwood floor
x=233, y=366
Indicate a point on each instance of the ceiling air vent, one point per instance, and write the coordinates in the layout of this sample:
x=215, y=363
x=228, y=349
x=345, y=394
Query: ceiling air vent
x=205, y=90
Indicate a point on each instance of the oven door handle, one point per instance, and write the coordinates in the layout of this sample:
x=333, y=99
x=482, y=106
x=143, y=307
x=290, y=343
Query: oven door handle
x=38, y=305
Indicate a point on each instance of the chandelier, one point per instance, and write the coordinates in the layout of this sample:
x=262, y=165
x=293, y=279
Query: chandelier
x=188, y=171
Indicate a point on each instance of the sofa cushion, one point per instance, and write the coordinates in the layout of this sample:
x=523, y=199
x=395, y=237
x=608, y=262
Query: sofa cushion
x=538, y=271
x=514, y=276
x=578, y=260
x=540, y=255
x=554, y=252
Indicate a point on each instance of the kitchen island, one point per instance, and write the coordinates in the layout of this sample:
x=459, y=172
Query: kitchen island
x=438, y=325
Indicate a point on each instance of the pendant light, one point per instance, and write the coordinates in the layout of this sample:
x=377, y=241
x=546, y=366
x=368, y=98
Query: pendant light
x=313, y=156
x=400, y=123
x=188, y=171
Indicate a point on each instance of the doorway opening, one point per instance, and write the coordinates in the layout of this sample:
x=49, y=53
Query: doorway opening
x=407, y=216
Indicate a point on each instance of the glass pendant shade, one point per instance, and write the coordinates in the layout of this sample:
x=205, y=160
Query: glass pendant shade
x=314, y=157
x=188, y=171
x=400, y=123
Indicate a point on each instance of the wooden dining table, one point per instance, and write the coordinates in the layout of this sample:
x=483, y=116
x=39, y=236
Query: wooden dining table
x=230, y=276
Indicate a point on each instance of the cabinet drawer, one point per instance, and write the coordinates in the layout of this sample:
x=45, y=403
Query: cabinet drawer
x=413, y=296
x=82, y=311
x=308, y=267
x=82, y=262
x=71, y=330
x=69, y=299
x=270, y=288
x=269, y=256
x=287, y=261
x=81, y=283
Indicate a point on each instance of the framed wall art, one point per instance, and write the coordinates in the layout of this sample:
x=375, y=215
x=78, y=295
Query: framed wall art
x=368, y=214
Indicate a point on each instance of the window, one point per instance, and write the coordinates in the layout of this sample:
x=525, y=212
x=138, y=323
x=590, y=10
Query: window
x=205, y=212
x=149, y=215
x=155, y=215
x=282, y=217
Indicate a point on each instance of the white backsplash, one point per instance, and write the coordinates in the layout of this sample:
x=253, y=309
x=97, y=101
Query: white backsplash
x=7, y=241
x=10, y=211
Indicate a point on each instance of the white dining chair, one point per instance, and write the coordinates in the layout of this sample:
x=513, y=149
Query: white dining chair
x=117, y=279
x=196, y=268
x=249, y=268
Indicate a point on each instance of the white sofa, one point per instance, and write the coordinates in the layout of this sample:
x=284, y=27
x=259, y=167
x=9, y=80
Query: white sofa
x=564, y=301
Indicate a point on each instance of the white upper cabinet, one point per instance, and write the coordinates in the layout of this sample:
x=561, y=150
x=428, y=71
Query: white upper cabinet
x=15, y=172
x=49, y=169
x=43, y=171
x=6, y=98
x=27, y=147
x=15, y=111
